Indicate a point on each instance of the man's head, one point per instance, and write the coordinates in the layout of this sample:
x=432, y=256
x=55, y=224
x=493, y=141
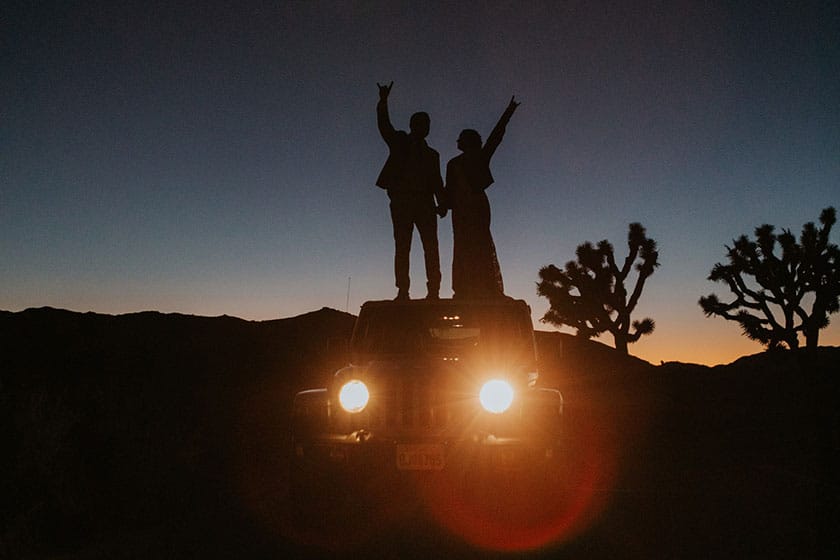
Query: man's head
x=419, y=124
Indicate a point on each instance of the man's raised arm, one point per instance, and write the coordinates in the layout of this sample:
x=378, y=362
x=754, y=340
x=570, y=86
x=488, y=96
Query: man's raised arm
x=383, y=121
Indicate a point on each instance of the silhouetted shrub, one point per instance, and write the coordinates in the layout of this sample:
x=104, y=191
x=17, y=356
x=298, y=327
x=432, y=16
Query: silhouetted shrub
x=772, y=292
x=589, y=295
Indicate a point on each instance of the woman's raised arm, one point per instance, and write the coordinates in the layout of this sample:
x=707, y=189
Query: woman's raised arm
x=498, y=132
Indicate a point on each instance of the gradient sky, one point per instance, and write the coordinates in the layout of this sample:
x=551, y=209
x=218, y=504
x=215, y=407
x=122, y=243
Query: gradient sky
x=220, y=158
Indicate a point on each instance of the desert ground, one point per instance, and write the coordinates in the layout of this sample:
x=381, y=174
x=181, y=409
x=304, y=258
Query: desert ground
x=166, y=436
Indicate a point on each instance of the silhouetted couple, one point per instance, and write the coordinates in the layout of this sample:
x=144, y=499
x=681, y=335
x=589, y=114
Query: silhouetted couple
x=411, y=176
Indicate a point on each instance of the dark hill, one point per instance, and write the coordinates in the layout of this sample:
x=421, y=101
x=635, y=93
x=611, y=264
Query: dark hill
x=138, y=418
x=165, y=435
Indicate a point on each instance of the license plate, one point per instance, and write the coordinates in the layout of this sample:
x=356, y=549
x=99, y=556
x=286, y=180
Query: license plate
x=420, y=457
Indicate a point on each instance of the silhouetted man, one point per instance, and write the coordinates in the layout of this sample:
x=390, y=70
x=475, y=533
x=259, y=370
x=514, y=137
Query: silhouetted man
x=411, y=175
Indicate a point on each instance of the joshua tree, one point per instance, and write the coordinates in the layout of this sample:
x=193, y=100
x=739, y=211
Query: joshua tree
x=771, y=307
x=589, y=295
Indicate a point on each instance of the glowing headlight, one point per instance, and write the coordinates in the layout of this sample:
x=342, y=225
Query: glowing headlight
x=353, y=396
x=496, y=396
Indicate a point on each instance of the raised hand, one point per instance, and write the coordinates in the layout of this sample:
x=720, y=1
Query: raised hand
x=512, y=105
x=384, y=90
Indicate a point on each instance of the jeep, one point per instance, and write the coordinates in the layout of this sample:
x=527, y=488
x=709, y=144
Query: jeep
x=432, y=386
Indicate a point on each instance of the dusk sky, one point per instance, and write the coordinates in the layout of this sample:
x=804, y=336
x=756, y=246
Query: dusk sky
x=220, y=158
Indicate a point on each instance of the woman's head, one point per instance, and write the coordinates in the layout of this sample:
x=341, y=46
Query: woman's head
x=469, y=140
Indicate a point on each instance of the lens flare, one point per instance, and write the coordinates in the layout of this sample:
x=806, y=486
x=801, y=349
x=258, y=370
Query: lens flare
x=354, y=396
x=496, y=396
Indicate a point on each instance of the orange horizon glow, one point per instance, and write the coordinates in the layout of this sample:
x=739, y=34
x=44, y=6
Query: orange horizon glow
x=715, y=342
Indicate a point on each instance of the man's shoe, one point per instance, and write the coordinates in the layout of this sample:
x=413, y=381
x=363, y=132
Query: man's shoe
x=433, y=295
x=402, y=295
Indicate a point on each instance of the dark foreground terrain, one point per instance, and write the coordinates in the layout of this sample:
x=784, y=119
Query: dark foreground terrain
x=165, y=436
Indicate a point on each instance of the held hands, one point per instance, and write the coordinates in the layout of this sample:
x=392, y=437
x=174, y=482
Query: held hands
x=384, y=90
x=442, y=199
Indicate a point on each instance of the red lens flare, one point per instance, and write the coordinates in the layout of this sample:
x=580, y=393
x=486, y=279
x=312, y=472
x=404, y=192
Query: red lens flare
x=497, y=508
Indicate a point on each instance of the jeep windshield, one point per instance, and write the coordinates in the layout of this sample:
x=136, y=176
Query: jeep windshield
x=451, y=332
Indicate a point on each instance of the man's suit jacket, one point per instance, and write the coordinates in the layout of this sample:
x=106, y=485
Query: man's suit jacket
x=398, y=175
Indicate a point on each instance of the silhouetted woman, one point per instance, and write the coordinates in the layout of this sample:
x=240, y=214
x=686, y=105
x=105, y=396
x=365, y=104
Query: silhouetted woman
x=475, y=267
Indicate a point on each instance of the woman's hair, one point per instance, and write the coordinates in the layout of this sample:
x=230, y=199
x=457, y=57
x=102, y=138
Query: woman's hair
x=470, y=140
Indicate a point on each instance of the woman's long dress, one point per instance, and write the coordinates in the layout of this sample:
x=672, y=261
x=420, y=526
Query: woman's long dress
x=475, y=267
